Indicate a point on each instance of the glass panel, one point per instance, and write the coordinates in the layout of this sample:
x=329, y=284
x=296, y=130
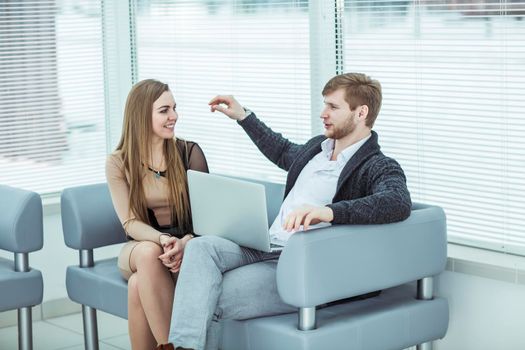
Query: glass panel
x=51, y=94
x=256, y=50
x=453, y=75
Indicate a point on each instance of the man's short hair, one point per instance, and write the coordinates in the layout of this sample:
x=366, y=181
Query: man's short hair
x=360, y=90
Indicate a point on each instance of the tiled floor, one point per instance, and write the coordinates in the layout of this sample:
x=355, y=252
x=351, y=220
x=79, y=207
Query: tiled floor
x=65, y=333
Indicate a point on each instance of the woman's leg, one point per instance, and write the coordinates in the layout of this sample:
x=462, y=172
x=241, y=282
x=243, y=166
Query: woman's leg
x=155, y=288
x=139, y=331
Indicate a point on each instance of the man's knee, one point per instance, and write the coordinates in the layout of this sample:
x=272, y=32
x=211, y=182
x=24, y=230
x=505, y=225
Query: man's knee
x=199, y=245
x=251, y=291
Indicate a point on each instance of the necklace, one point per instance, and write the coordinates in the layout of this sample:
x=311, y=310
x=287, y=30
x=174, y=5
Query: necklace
x=157, y=173
x=153, y=168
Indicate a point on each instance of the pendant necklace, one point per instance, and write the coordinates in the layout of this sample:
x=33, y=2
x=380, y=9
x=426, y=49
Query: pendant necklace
x=157, y=173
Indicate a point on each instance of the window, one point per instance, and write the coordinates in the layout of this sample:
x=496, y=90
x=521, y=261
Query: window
x=453, y=76
x=452, y=73
x=52, y=131
x=255, y=50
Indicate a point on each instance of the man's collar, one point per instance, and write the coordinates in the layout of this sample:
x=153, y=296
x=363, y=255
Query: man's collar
x=327, y=147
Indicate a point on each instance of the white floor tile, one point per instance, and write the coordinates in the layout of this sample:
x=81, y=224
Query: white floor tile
x=101, y=346
x=70, y=322
x=45, y=337
x=66, y=333
x=121, y=341
x=108, y=325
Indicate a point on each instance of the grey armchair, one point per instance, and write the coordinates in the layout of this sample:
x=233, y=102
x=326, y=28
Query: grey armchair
x=317, y=272
x=21, y=232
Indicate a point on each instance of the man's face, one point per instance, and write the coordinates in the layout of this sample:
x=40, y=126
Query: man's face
x=339, y=121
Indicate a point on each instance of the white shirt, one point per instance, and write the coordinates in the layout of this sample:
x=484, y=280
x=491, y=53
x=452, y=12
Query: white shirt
x=316, y=186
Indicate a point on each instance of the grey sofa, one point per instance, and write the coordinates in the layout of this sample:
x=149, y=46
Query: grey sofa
x=316, y=272
x=21, y=232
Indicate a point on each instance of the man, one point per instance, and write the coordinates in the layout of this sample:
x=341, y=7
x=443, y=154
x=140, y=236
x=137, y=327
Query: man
x=340, y=177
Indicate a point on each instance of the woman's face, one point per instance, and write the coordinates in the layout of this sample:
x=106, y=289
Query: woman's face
x=164, y=116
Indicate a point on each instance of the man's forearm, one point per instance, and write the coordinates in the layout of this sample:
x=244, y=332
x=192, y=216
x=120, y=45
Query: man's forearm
x=274, y=146
x=380, y=208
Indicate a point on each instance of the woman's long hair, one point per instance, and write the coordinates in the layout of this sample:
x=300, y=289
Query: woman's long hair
x=135, y=146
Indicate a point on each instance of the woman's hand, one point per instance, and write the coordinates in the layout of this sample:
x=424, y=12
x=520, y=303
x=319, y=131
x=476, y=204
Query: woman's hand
x=173, y=252
x=167, y=242
x=169, y=245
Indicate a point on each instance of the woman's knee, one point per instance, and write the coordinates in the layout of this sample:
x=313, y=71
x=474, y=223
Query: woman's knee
x=146, y=253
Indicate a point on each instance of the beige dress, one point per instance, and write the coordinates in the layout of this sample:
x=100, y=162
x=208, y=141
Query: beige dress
x=155, y=190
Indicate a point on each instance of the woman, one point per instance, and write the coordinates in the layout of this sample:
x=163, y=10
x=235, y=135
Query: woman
x=147, y=179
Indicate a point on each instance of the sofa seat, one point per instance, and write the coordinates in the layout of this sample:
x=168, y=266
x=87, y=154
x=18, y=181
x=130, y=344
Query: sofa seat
x=393, y=320
x=396, y=314
x=19, y=289
x=101, y=287
x=315, y=268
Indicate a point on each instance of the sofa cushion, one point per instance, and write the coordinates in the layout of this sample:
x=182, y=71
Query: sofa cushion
x=396, y=314
x=101, y=287
x=19, y=289
x=393, y=320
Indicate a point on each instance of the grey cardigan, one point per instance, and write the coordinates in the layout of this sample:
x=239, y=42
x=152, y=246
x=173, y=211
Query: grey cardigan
x=371, y=188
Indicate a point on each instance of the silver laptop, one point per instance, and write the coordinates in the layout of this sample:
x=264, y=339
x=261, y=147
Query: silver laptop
x=230, y=208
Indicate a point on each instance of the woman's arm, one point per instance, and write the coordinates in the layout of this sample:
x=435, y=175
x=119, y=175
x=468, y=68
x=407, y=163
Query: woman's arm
x=119, y=189
x=196, y=159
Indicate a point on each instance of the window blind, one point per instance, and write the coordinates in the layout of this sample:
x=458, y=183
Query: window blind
x=453, y=74
x=52, y=132
x=257, y=51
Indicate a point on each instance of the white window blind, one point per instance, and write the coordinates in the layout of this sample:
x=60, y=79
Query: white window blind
x=453, y=74
x=257, y=51
x=52, y=131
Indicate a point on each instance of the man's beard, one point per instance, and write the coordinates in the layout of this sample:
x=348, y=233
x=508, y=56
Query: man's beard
x=347, y=128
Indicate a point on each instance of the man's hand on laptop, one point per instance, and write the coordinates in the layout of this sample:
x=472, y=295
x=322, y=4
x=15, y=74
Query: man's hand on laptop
x=307, y=215
x=228, y=105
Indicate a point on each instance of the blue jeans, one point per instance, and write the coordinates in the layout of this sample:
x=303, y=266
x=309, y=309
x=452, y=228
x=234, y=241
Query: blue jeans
x=205, y=293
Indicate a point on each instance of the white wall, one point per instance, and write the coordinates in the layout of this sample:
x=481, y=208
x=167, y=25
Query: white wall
x=485, y=314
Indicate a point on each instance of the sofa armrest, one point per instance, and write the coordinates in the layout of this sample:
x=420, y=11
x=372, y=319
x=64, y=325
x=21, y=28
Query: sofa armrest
x=342, y=261
x=88, y=218
x=21, y=228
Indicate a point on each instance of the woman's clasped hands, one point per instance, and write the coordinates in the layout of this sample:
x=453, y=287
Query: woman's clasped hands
x=173, y=248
